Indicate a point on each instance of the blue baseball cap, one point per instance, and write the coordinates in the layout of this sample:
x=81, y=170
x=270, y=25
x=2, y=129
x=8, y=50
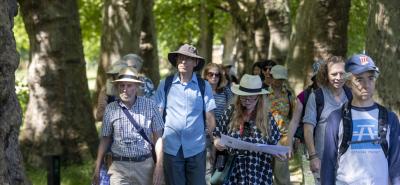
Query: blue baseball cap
x=360, y=63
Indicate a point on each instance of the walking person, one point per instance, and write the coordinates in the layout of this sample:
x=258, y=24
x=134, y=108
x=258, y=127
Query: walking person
x=249, y=120
x=331, y=95
x=187, y=104
x=133, y=127
x=362, y=140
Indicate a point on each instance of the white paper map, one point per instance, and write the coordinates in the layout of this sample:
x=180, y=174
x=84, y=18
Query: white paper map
x=242, y=145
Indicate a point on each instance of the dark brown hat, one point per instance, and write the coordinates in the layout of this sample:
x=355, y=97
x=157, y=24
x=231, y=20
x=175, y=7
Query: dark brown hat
x=187, y=50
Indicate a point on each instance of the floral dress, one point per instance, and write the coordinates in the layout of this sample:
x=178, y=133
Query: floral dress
x=249, y=167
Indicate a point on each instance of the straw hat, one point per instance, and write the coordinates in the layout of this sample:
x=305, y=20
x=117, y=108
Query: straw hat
x=187, y=50
x=249, y=85
x=128, y=74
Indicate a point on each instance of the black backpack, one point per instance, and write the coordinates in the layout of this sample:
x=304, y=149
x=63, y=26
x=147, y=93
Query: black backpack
x=320, y=103
x=167, y=87
x=348, y=129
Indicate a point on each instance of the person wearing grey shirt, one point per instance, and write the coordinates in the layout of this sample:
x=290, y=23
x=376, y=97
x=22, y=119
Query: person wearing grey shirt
x=331, y=80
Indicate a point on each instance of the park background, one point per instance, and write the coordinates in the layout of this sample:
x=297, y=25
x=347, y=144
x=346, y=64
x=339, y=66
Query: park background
x=54, y=54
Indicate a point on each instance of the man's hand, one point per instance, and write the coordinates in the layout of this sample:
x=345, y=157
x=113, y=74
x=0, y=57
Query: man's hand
x=158, y=175
x=315, y=165
x=96, y=176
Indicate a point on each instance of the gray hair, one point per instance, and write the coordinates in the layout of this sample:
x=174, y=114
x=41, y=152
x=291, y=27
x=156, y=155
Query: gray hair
x=133, y=60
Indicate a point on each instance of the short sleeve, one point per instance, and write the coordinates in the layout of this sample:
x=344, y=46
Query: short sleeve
x=310, y=116
x=160, y=95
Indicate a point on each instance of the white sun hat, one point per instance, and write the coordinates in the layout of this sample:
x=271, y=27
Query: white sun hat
x=249, y=85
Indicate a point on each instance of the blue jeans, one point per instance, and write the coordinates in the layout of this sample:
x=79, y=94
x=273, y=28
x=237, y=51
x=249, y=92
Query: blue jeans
x=185, y=171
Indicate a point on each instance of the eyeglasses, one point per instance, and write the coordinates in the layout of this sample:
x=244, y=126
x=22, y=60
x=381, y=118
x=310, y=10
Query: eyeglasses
x=211, y=74
x=248, y=98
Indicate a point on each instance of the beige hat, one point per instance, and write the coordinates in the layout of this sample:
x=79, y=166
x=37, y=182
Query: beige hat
x=187, y=50
x=128, y=74
x=249, y=85
x=279, y=72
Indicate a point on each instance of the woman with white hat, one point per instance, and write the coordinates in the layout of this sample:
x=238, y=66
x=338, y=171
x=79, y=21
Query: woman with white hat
x=249, y=120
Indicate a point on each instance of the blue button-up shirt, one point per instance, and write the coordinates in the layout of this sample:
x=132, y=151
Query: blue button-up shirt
x=184, y=123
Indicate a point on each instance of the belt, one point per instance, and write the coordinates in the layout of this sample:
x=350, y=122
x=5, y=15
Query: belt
x=131, y=159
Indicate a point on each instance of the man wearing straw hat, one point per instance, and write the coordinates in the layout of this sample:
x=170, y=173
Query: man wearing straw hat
x=131, y=125
x=187, y=110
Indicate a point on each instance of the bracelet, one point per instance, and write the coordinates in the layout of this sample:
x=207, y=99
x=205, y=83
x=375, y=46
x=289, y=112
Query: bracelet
x=312, y=156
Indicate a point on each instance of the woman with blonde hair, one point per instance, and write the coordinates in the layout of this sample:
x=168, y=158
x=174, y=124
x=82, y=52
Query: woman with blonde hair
x=249, y=120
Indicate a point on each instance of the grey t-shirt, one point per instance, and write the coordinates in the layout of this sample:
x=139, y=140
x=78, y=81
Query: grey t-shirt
x=310, y=116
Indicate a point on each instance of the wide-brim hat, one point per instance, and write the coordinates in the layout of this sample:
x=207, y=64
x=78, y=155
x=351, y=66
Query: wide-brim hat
x=249, y=85
x=279, y=72
x=187, y=50
x=128, y=74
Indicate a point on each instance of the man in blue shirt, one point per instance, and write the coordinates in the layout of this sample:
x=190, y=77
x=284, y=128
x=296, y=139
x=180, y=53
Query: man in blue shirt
x=362, y=139
x=184, y=137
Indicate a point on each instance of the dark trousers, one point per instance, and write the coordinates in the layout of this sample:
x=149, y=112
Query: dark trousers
x=185, y=171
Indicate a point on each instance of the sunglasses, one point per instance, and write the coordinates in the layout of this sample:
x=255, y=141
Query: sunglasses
x=211, y=74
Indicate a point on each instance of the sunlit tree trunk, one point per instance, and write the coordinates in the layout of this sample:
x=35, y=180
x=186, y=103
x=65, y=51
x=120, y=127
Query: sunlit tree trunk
x=59, y=119
x=384, y=48
x=278, y=15
x=148, y=45
x=11, y=163
x=122, y=20
x=206, y=33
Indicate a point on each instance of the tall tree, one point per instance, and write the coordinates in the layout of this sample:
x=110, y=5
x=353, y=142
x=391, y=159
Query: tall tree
x=278, y=15
x=383, y=46
x=59, y=119
x=206, y=27
x=11, y=163
x=122, y=21
x=320, y=31
x=148, y=45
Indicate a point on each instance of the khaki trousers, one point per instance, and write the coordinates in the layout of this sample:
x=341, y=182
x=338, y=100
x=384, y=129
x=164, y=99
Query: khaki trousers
x=128, y=173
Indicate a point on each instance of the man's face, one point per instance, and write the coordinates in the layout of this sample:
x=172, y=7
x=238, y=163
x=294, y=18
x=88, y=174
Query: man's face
x=185, y=63
x=127, y=91
x=336, y=75
x=363, y=85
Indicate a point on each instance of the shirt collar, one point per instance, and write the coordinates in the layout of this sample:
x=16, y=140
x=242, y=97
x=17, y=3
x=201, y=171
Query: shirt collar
x=177, y=79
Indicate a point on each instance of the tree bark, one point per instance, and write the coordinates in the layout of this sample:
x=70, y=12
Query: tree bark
x=206, y=33
x=383, y=46
x=11, y=162
x=278, y=15
x=121, y=35
x=148, y=45
x=59, y=119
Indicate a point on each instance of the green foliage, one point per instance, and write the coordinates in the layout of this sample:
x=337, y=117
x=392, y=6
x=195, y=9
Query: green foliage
x=90, y=12
x=22, y=91
x=21, y=37
x=72, y=175
x=357, y=26
x=177, y=22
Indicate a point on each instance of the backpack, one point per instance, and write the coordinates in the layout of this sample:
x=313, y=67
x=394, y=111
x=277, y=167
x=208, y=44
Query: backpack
x=348, y=129
x=320, y=103
x=167, y=87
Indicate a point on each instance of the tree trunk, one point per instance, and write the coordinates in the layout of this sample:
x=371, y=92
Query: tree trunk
x=330, y=24
x=206, y=34
x=278, y=15
x=384, y=48
x=148, y=45
x=300, y=55
x=121, y=35
x=59, y=119
x=320, y=31
x=11, y=162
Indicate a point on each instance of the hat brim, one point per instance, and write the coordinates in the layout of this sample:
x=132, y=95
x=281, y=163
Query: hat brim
x=173, y=55
x=127, y=80
x=279, y=77
x=235, y=89
x=364, y=69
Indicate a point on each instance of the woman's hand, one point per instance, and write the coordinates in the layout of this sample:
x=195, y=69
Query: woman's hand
x=217, y=144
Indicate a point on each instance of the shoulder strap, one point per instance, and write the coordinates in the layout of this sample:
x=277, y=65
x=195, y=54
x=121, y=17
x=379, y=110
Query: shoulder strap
x=382, y=128
x=202, y=86
x=167, y=87
x=347, y=128
x=141, y=132
x=307, y=93
x=289, y=95
x=319, y=100
x=348, y=93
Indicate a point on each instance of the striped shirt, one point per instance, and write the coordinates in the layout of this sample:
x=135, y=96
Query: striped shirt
x=127, y=140
x=222, y=101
